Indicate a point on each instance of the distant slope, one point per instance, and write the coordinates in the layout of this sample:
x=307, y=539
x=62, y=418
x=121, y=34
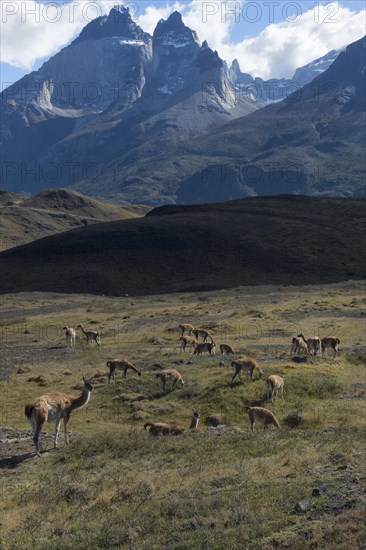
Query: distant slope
x=23, y=220
x=7, y=198
x=280, y=240
x=311, y=143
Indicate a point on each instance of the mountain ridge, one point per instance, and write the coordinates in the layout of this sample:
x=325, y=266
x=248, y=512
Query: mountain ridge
x=262, y=240
x=132, y=97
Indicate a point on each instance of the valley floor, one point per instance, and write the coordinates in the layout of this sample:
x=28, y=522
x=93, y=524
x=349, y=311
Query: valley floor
x=115, y=486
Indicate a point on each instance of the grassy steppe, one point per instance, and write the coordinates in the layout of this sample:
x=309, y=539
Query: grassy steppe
x=115, y=486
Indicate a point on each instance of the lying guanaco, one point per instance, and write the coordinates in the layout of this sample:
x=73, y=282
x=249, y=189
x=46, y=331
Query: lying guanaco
x=162, y=428
x=169, y=375
x=247, y=364
x=226, y=349
x=54, y=407
x=275, y=385
x=187, y=341
x=261, y=415
x=120, y=364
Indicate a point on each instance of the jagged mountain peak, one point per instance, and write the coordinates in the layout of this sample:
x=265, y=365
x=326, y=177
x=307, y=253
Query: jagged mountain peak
x=173, y=32
x=235, y=65
x=117, y=23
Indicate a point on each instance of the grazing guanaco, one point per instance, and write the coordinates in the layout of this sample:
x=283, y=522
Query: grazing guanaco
x=203, y=333
x=185, y=327
x=330, y=342
x=208, y=347
x=261, y=415
x=120, y=364
x=53, y=407
x=91, y=335
x=275, y=385
x=226, y=349
x=247, y=364
x=298, y=346
x=169, y=375
x=313, y=344
x=162, y=428
x=187, y=341
x=70, y=336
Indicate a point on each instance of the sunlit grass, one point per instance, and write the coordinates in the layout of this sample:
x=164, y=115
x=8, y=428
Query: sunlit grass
x=116, y=486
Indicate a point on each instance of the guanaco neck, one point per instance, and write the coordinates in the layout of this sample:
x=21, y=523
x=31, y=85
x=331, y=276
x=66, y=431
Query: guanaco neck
x=194, y=422
x=82, y=400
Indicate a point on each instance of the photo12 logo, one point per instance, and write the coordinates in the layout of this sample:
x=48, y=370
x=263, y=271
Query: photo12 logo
x=84, y=11
x=268, y=12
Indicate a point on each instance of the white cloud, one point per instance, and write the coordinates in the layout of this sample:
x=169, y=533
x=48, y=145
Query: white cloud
x=281, y=48
x=32, y=30
x=277, y=51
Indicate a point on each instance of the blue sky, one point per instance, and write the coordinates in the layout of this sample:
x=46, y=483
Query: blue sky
x=270, y=38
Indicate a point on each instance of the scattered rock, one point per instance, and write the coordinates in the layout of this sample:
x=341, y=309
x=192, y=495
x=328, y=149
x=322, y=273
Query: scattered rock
x=302, y=506
x=67, y=372
x=40, y=380
x=215, y=419
x=22, y=370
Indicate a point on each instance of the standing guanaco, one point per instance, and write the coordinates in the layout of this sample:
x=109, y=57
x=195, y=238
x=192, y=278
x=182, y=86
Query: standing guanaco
x=275, y=385
x=261, y=415
x=247, y=364
x=54, y=407
x=169, y=375
x=330, y=342
x=120, y=364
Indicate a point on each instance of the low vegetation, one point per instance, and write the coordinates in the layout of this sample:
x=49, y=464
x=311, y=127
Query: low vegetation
x=115, y=486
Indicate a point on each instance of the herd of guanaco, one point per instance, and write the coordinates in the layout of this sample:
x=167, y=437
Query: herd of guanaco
x=57, y=406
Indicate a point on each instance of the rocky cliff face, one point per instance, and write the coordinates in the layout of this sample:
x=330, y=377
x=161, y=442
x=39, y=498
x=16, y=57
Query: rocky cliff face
x=114, y=92
x=97, y=115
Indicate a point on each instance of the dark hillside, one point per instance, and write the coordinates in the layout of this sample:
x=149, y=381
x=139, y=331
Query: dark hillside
x=281, y=240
